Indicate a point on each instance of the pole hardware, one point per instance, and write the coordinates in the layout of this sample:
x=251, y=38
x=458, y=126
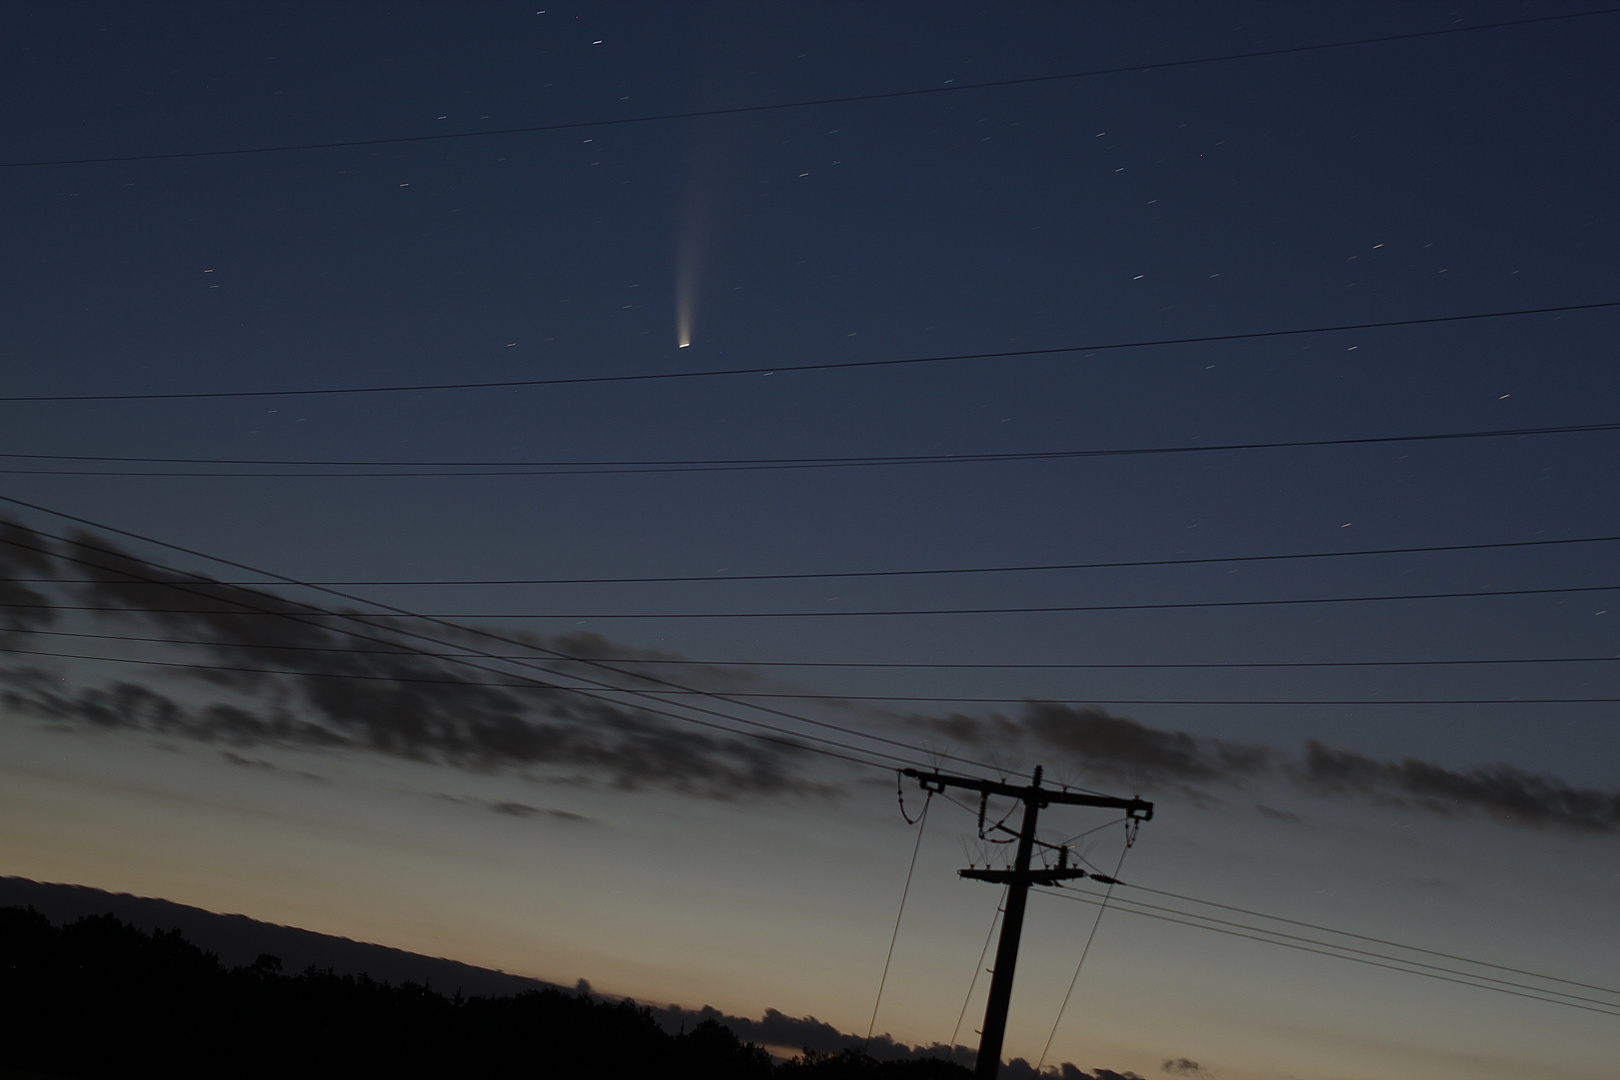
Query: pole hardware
x=1018, y=880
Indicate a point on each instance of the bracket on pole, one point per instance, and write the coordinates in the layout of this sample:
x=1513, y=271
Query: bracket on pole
x=1033, y=877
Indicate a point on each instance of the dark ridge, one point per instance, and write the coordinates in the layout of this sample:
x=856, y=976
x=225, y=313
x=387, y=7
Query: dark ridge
x=144, y=941
x=237, y=940
x=98, y=997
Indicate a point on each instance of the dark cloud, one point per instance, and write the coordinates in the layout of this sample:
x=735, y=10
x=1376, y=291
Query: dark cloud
x=778, y=1029
x=793, y=1034
x=517, y=809
x=1127, y=751
x=1107, y=745
x=588, y=739
x=587, y=653
x=261, y=765
x=371, y=688
x=375, y=689
x=971, y=730
x=1184, y=1067
x=249, y=763
x=1123, y=747
x=23, y=554
x=1504, y=792
x=130, y=706
x=1019, y=1069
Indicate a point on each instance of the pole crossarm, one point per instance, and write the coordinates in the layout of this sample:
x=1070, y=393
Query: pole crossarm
x=1043, y=797
x=1032, y=877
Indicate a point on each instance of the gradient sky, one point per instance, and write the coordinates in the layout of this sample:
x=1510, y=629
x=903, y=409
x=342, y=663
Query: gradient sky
x=542, y=832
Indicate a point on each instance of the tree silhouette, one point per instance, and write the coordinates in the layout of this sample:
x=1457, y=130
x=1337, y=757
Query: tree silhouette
x=99, y=997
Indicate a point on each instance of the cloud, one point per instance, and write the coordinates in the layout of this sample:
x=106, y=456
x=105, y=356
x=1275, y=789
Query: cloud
x=131, y=706
x=1127, y=751
x=792, y=1034
x=23, y=554
x=1183, y=1067
x=371, y=688
x=588, y=739
x=523, y=810
x=1114, y=746
x=1019, y=1069
x=1123, y=747
x=249, y=763
x=784, y=1033
x=588, y=653
x=1504, y=792
x=309, y=685
x=261, y=765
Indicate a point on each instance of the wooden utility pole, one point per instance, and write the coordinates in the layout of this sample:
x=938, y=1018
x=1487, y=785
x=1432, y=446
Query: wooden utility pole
x=1018, y=880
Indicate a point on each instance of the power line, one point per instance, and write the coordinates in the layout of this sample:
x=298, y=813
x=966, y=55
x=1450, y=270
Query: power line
x=791, y=739
x=1388, y=943
x=922, y=824
x=942, y=666
x=1085, y=951
x=1341, y=953
x=791, y=368
x=1180, y=605
x=977, y=968
x=1365, y=937
x=791, y=736
x=850, y=99
x=1044, y=700
x=1088, y=832
x=623, y=468
x=505, y=468
x=749, y=695
x=1019, y=878
x=1213, y=922
x=1397, y=965
x=1416, y=964
x=1032, y=568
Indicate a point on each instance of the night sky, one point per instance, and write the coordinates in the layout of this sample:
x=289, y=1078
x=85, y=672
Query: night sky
x=240, y=239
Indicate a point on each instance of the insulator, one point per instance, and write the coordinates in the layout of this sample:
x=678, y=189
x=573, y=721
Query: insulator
x=1063, y=857
x=984, y=798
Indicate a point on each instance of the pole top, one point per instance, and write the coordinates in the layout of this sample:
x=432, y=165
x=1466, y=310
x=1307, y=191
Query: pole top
x=936, y=781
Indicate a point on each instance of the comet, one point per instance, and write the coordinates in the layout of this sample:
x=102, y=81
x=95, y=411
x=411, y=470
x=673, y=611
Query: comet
x=689, y=251
x=695, y=228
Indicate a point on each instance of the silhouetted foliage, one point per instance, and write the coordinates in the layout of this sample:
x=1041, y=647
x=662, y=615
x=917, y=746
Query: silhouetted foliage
x=98, y=998
x=852, y=1064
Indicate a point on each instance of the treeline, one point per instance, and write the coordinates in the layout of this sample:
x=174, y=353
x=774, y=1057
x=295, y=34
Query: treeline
x=98, y=998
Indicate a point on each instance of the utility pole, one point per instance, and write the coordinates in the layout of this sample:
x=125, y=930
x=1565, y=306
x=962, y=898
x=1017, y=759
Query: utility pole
x=1018, y=880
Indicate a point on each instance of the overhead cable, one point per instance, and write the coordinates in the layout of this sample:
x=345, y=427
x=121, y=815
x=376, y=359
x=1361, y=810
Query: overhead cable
x=846, y=365
x=751, y=695
x=767, y=733
x=947, y=571
x=1086, y=949
x=1071, y=893
x=638, y=468
x=1363, y=937
x=951, y=86
x=1179, y=605
x=656, y=661
x=1338, y=952
x=555, y=655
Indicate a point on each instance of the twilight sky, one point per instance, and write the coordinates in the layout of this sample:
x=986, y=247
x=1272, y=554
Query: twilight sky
x=571, y=780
